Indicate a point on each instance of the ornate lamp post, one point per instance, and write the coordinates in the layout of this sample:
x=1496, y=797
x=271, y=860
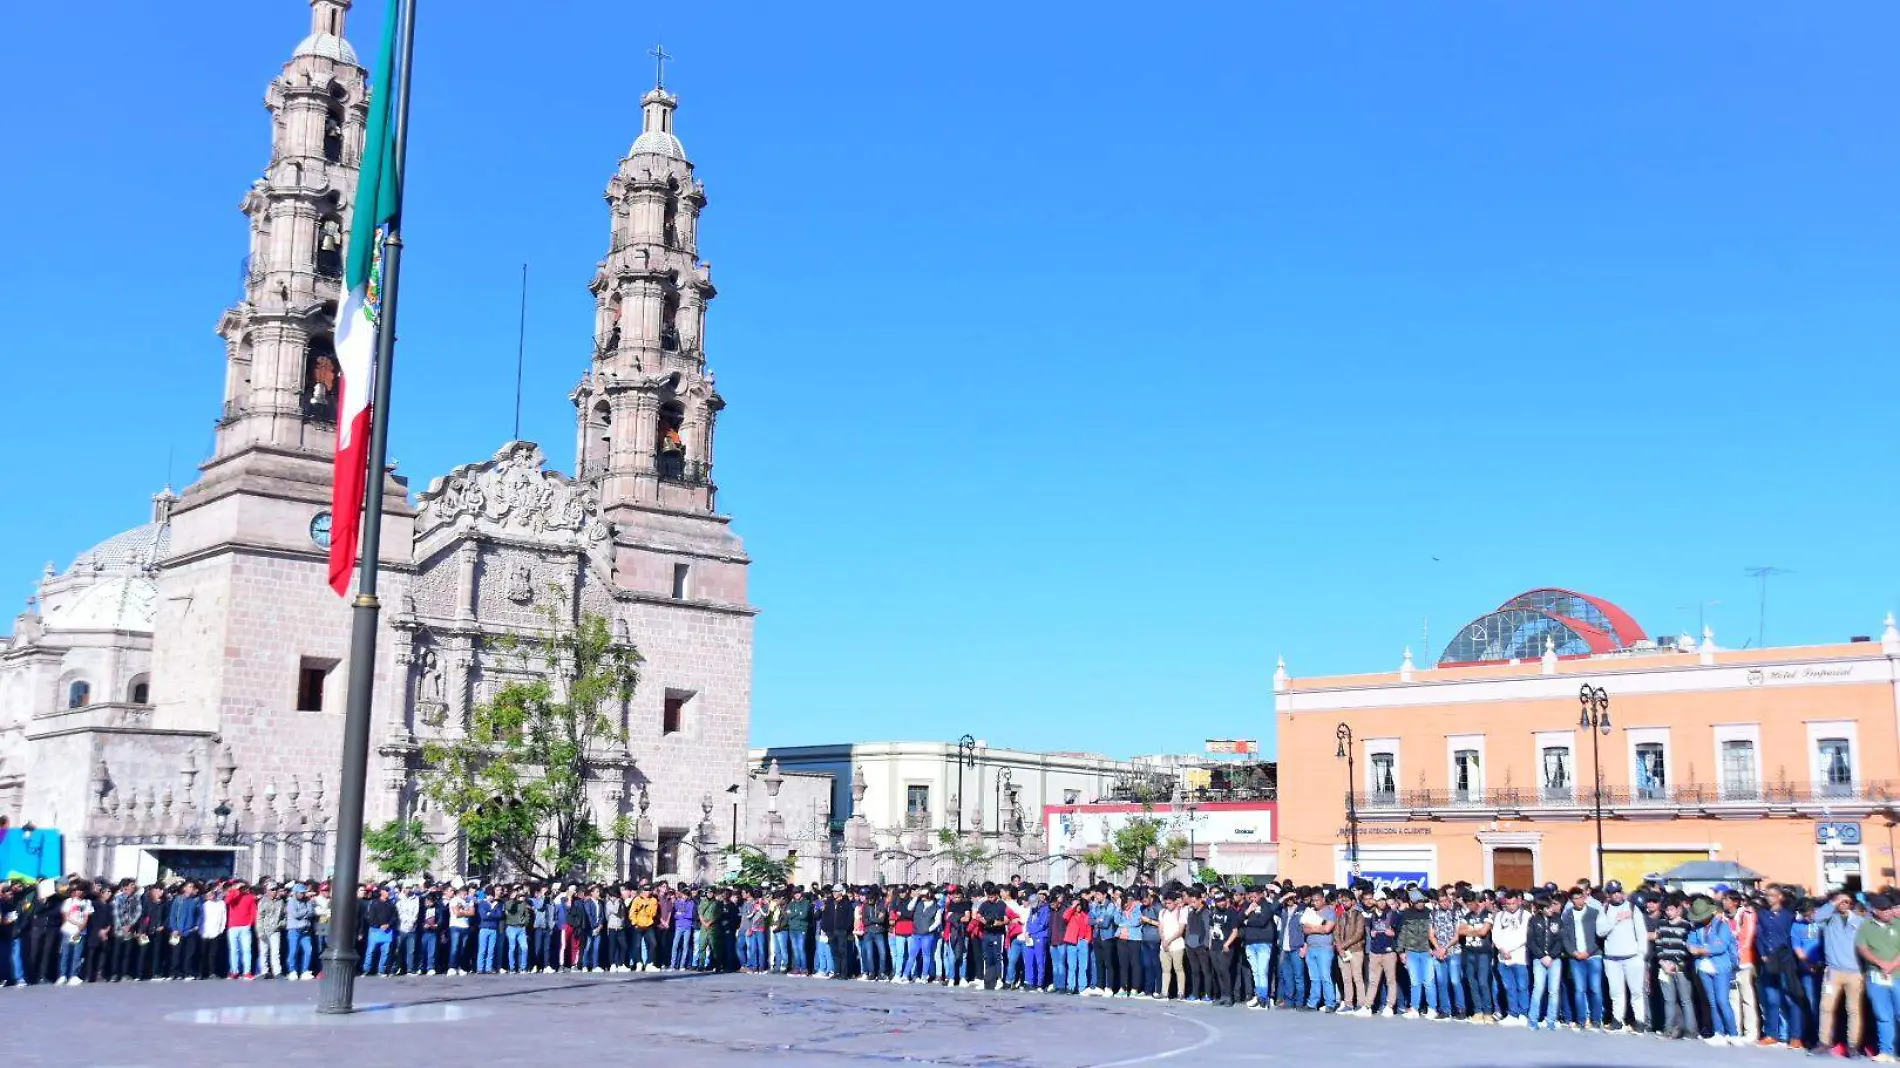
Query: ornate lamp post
x=966, y=758
x=1345, y=752
x=1596, y=719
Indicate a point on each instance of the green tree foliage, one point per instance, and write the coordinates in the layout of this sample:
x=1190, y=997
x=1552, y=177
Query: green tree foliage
x=516, y=781
x=400, y=848
x=757, y=868
x=965, y=857
x=1141, y=848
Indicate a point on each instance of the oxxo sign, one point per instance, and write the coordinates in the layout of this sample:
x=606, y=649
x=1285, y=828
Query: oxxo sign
x=1837, y=833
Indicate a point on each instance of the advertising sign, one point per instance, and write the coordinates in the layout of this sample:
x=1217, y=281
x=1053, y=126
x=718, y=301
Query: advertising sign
x=1232, y=747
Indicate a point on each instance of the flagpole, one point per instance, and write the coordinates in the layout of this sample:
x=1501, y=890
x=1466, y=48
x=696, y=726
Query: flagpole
x=337, y=993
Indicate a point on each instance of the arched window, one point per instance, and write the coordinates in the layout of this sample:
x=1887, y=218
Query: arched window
x=320, y=380
x=78, y=694
x=140, y=692
x=333, y=134
x=669, y=448
x=669, y=321
x=330, y=236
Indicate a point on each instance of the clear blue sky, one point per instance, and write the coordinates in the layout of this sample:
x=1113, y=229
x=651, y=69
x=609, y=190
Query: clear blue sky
x=1078, y=361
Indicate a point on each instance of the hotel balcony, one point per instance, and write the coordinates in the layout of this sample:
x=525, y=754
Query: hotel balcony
x=1833, y=800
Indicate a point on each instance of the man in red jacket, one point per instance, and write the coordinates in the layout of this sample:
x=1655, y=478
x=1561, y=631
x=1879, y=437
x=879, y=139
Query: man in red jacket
x=240, y=906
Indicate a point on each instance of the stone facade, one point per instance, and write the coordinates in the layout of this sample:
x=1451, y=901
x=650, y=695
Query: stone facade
x=212, y=654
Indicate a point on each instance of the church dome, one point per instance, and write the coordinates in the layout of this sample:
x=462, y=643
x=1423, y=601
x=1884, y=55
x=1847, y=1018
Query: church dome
x=327, y=46
x=659, y=143
x=130, y=550
x=124, y=602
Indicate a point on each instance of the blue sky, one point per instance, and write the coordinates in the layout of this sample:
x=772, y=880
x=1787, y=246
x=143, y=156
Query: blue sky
x=1079, y=361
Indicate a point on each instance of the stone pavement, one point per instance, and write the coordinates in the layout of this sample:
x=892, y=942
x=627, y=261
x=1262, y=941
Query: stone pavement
x=730, y=1021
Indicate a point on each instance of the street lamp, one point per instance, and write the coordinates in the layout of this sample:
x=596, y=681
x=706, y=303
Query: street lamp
x=223, y=814
x=966, y=758
x=1596, y=719
x=734, y=791
x=1345, y=752
x=1194, y=860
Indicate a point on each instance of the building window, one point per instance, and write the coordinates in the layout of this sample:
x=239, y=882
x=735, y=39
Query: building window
x=79, y=694
x=1384, y=784
x=1467, y=780
x=1652, y=780
x=669, y=851
x=1559, y=785
x=916, y=806
x=1836, y=765
x=1739, y=779
x=680, y=574
x=141, y=693
x=311, y=676
x=673, y=712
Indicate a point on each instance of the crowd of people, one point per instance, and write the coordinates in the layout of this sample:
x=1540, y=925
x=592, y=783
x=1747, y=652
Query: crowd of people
x=1773, y=967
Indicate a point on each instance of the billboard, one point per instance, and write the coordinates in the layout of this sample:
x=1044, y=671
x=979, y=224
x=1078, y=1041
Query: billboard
x=1232, y=747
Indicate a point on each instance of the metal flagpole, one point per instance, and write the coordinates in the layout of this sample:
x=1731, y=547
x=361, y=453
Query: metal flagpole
x=521, y=347
x=338, y=991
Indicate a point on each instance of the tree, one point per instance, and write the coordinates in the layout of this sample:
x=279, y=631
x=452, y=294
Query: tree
x=1141, y=846
x=757, y=868
x=516, y=781
x=964, y=856
x=400, y=848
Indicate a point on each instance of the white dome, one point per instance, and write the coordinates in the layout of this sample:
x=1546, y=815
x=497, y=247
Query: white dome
x=662, y=144
x=127, y=602
x=328, y=46
x=130, y=550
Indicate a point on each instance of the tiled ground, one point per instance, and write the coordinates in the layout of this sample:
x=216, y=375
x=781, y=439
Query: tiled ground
x=727, y=1021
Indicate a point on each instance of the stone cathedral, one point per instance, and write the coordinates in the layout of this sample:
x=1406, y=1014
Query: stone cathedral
x=174, y=698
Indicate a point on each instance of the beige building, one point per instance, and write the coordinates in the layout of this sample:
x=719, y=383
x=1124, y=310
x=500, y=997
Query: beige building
x=176, y=695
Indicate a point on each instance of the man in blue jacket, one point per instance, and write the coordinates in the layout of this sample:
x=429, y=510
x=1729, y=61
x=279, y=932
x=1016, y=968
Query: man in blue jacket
x=185, y=922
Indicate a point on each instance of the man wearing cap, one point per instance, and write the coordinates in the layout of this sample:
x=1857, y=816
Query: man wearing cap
x=1878, y=944
x=1841, y=983
x=1625, y=941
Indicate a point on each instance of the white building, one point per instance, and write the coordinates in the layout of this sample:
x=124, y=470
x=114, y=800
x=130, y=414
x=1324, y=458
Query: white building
x=1238, y=839
x=943, y=785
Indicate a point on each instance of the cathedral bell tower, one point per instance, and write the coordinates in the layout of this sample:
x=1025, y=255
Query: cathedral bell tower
x=646, y=407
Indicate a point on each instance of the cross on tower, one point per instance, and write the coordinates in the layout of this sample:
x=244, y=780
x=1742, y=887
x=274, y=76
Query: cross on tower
x=660, y=56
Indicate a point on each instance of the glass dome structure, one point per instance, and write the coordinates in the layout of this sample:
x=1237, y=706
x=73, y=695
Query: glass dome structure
x=1577, y=624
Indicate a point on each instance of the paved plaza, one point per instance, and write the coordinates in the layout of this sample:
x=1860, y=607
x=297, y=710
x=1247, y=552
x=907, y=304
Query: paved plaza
x=729, y=1021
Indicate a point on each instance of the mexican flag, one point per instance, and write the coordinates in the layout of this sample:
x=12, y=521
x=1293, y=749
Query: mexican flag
x=377, y=204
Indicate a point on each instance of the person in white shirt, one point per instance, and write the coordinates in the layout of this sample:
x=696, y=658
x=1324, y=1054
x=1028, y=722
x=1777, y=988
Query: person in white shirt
x=1625, y=938
x=1510, y=931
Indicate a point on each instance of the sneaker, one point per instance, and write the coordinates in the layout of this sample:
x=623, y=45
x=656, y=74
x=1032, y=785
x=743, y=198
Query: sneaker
x=1765, y=1041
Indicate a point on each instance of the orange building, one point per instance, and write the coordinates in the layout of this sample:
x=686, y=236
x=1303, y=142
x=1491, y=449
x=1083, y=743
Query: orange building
x=1786, y=760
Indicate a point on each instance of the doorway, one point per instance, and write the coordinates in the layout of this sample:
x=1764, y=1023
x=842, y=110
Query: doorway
x=1513, y=866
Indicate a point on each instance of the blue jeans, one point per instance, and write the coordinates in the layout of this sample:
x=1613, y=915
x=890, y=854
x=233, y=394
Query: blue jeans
x=237, y=941
x=411, y=949
x=1780, y=1009
x=1586, y=991
x=1886, y=1005
x=428, y=940
x=72, y=953
x=1260, y=962
x=799, y=963
x=590, y=949
x=376, y=951
x=1547, y=984
x=517, y=949
x=781, y=950
x=297, y=952
x=1148, y=976
x=1292, y=978
x=900, y=955
x=823, y=963
x=1012, y=971
x=1517, y=989
x=923, y=955
x=955, y=961
x=1449, y=975
x=1421, y=969
x=1059, y=958
x=874, y=955
x=1722, y=1015
x=485, y=949
x=1319, y=977
x=457, y=936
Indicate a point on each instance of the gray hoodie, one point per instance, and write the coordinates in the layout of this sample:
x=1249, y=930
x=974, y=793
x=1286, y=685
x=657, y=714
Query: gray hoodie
x=300, y=914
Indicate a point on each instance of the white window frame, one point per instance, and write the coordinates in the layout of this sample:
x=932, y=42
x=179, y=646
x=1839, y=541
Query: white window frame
x=1454, y=743
x=1650, y=736
x=1567, y=741
x=1389, y=747
x=1834, y=728
x=1737, y=732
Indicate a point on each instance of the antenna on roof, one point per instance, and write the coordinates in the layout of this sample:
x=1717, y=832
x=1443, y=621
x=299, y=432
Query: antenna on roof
x=1763, y=574
x=1701, y=612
